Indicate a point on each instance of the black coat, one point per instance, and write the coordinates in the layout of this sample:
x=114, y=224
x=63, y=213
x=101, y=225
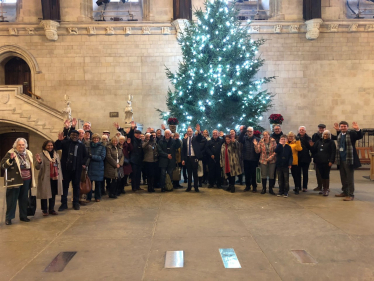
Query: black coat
x=324, y=151
x=276, y=136
x=248, y=143
x=164, y=151
x=64, y=145
x=304, y=155
x=136, y=155
x=355, y=136
x=213, y=147
x=195, y=145
x=284, y=155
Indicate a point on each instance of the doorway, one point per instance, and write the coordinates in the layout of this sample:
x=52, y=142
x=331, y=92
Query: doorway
x=17, y=72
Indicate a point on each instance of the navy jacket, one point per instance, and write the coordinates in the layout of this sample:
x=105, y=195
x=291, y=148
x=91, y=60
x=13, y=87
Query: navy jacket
x=284, y=155
x=96, y=162
x=195, y=145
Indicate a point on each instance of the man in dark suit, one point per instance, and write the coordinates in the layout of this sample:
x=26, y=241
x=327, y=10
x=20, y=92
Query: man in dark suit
x=191, y=154
x=214, y=151
x=73, y=159
x=167, y=148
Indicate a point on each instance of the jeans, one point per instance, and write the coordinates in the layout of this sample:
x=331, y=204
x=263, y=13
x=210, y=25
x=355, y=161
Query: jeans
x=74, y=177
x=97, y=191
x=250, y=173
x=21, y=194
x=43, y=202
x=283, y=180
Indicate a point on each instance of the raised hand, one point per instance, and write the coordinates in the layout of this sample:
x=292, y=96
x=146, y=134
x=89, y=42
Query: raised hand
x=67, y=124
x=60, y=136
x=221, y=134
x=74, y=122
x=255, y=142
x=133, y=125
x=12, y=155
x=163, y=127
x=37, y=156
x=116, y=125
x=197, y=127
x=355, y=126
x=336, y=126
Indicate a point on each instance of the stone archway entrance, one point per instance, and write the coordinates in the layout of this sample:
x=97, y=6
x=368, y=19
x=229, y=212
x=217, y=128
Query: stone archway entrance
x=17, y=72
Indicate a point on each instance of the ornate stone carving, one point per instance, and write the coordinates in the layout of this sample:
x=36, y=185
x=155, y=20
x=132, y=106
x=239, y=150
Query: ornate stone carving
x=91, y=30
x=312, y=27
x=369, y=27
x=67, y=111
x=13, y=31
x=353, y=27
x=50, y=28
x=165, y=30
x=294, y=28
x=277, y=28
x=146, y=30
x=109, y=30
x=128, y=112
x=180, y=25
x=333, y=27
x=4, y=98
x=127, y=30
x=30, y=30
x=255, y=28
x=73, y=30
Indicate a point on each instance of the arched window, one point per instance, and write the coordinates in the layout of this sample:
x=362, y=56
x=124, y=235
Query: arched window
x=8, y=10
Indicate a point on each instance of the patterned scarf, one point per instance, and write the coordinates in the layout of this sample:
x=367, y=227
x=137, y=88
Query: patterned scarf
x=349, y=147
x=23, y=159
x=46, y=154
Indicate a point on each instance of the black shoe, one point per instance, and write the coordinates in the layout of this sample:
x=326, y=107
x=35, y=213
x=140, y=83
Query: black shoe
x=197, y=190
x=297, y=192
x=210, y=186
x=188, y=189
x=247, y=188
x=228, y=189
x=62, y=207
x=185, y=181
x=112, y=196
x=162, y=189
x=254, y=190
x=263, y=191
x=8, y=222
x=24, y=219
x=103, y=193
x=76, y=206
x=200, y=185
x=123, y=192
x=233, y=189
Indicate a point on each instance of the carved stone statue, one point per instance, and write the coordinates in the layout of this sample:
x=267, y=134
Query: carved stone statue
x=67, y=110
x=128, y=112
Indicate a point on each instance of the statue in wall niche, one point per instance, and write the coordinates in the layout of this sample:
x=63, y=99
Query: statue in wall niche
x=67, y=111
x=128, y=112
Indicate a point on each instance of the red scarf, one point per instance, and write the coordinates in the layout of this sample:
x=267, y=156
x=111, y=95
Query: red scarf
x=227, y=162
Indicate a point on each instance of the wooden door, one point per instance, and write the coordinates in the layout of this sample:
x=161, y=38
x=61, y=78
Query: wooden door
x=17, y=72
x=6, y=143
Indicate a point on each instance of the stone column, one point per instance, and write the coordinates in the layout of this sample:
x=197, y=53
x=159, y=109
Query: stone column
x=146, y=5
x=29, y=11
x=77, y=10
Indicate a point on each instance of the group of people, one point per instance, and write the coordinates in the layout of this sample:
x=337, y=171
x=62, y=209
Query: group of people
x=110, y=162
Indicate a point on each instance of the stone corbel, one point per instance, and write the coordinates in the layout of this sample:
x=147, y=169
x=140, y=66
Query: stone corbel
x=180, y=25
x=255, y=28
x=109, y=30
x=73, y=30
x=91, y=30
x=312, y=27
x=31, y=30
x=333, y=27
x=50, y=28
x=13, y=31
x=127, y=30
x=146, y=30
x=353, y=27
x=294, y=28
x=165, y=30
x=369, y=27
x=278, y=28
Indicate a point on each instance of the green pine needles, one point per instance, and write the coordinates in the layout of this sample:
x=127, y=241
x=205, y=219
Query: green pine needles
x=215, y=84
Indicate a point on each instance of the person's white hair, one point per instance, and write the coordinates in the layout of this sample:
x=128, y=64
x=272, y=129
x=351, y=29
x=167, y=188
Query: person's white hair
x=17, y=141
x=302, y=127
x=118, y=133
x=122, y=137
x=327, y=132
x=148, y=134
x=104, y=137
x=81, y=130
x=215, y=130
x=167, y=130
x=249, y=128
x=277, y=126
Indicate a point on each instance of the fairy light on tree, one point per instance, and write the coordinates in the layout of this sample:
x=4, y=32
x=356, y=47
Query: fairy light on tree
x=215, y=82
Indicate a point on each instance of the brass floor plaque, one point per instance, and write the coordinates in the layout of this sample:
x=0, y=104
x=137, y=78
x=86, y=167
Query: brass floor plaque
x=174, y=259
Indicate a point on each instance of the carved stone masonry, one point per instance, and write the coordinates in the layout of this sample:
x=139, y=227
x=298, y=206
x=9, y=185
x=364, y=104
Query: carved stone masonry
x=165, y=30
x=312, y=27
x=13, y=31
x=109, y=30
x=278, y=28
x=50, y=28
x=127, y=30
x=369, y=27
x=180, y=25
x=353, y=27
x=333, y=27
x=255, y=28
x=294, y=28
x=146, y=30
x=30, y=30
x=73, y=30
x=91, y=30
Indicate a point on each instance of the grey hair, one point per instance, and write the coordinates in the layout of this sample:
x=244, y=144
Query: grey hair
x=81, y=130
x=17, y=141
x=167, y=130
x=104, y=136
x=328, y=132
x=122, y=137
x=302, y=127
x=215, y=130
x=277, y=126
x=249, y=128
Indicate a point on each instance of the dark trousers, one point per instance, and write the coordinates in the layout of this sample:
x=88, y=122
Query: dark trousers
x=184, y=168
x=324, y=170
x=215, y=172
x=205, y=169
x=304, y=167
x=283, y=180
x=192, y=164
x=122, y=184
x=296, y=174
x=165, y=170
x=347, y=178
x=250, y=173
x=144, y=173
x=136, y=176
x=318, y=175
x=150, y=171
x=74, y=177
x=97, y=190
x=156, y=181
x=113, y=190
x=231, y=179
x=52, y=201
x=20, y=194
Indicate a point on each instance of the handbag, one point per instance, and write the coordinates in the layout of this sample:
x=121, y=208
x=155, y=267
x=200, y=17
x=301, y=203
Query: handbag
x=176, y=173
x=31, y=205
x=85, y=184
x=200, y=169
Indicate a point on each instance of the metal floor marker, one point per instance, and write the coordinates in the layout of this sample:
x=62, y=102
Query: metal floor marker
x=174, y=259
x=59, y=262
x=229, y=258
x=303, y=256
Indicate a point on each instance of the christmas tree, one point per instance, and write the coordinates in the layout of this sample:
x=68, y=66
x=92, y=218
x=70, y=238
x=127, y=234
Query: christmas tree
x=215, y=84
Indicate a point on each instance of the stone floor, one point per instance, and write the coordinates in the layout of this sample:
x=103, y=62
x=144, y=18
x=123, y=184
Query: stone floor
x=126, y=238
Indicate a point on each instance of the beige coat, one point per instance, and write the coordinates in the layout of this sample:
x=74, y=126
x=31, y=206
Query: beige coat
x=44, y=179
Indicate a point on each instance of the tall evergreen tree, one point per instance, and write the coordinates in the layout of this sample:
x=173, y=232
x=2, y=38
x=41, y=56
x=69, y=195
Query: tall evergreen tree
x=215, y=84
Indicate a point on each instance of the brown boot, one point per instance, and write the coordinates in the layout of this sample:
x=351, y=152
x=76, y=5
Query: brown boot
x=326, y=190
x=317, y=188
x=348, y=198
x=341, y=195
